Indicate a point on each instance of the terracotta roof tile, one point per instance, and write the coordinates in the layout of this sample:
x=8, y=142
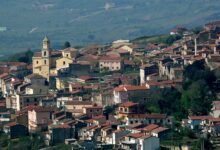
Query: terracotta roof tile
x=214, y=119
x=136, y=135
x=41, y=109
x=63, y=126
x=160, y=129
x=85, y=77
x=110, y=58
x=200, y=117
x=124, y=88
x=128, y=104
x=150, y=127
x=4, y=75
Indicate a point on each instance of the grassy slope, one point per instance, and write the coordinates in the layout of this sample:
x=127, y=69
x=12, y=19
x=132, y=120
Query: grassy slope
x=151, y=39
x=75, y=20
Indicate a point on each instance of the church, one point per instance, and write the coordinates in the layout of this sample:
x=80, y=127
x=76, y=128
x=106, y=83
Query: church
x=47, y=62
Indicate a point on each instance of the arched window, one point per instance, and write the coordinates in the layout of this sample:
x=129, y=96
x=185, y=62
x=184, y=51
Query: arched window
x=64, y=63
x=45, y=53
x=45, y=62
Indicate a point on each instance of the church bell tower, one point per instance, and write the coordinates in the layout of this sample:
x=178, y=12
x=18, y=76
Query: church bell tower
x=45, y=56
x=46, y=47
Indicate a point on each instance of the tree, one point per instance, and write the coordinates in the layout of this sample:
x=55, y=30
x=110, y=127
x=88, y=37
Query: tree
x=198, y=92
x=198, y=98
x=66, y=45
x=217, y=73
x=25, y=57
x=169, y=102
x=197, y=30
x=198, y=71
x=172, y=38
x=166, y=100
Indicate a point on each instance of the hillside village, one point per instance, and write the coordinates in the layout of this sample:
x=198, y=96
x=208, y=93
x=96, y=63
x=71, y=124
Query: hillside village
x=125, y=95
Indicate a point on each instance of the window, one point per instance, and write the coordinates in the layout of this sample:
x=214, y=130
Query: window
x=45, y=62
x=91, y=110
x=35, y=99
x=64, y=63
x=67, y=55
x=40, y=90
x=27, y=100
x=131, y=122
x=149, y=121
x=45, y=53
x=37, y=62
x=112, y=67
x=97, y=110
x=126, y=109
x=136, y=121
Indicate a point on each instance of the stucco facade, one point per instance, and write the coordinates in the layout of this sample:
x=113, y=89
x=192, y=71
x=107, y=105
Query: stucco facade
x=48, y=62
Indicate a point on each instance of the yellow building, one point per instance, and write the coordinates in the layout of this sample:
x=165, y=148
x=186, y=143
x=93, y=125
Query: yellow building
x=47, y=62
x=68, y=56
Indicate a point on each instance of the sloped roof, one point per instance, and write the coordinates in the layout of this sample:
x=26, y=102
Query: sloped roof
x=110, y=58
x=136, y=135
x=123, y=88
x=35, y=76
x=128, y=104
x=200, y=117
x=150, y=127
x=160, y=129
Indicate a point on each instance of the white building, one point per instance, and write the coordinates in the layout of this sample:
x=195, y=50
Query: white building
x=123, y=93
x=110, y=63
x=215, y=109
x=140, y=141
